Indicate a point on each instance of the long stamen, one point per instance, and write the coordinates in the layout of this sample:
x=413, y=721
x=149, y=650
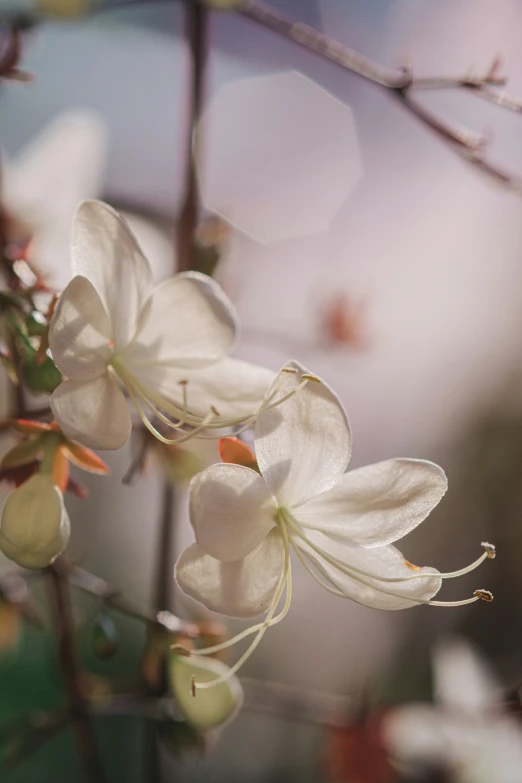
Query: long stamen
x=260, y=629
x=170, y=441
x=157, y=403
x=489, y=554
x=357, y=574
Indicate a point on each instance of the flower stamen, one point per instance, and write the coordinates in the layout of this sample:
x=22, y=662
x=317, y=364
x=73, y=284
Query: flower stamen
x=358, y=574
x=259, y=629
x=159, y=406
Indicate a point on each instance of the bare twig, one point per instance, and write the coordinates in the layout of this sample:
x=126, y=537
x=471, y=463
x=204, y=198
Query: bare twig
x=77, y=704
x=84, y=580
x=196, y=32
x=401, y=83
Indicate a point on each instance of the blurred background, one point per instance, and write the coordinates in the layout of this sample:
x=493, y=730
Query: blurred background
x=349, y=237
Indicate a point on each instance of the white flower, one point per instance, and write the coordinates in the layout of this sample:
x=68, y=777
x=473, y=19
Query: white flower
x=43, y=184
x=341, y=525
x=468, y=733
x=35, y=527
x=111, y=328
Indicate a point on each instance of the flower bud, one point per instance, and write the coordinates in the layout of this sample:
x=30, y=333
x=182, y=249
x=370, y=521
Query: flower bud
x=35, y=527
x=209, y=708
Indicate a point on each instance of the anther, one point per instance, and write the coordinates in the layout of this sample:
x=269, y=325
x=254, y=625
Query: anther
x=313, y=378
x=182, y=383
x=411, y=566
x=289, y=370
x=193, y=685
x=485, y=595
x=490, y=549
x=214, y=410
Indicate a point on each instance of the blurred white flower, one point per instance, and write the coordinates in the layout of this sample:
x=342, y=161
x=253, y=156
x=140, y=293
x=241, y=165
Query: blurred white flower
x=167, y=346
x=341, y=525
x=468, y=733
x=290, y=137
x=35, y=526
x=44, y=183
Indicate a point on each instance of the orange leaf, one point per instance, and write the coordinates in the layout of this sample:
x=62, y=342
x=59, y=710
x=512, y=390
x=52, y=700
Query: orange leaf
x=60, y=469
x=235, y=451
x=32, y=427
x=84, y=458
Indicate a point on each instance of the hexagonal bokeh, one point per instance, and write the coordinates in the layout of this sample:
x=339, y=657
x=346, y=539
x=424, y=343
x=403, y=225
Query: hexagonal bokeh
x=279, y=156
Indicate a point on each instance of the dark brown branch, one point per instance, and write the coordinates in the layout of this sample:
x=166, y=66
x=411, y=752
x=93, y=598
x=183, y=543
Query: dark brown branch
x=101, y=589
x=196, y=32
x=77, y=704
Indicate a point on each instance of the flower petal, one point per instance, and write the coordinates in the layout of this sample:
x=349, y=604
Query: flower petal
x=383, y=561
x=212, y=707
x=93, y=412
x=377, y=504
x=244, y=588
x=303, y=445
x=80, y=331
x=233, y=387
x=231, y=510
x=417, y=736
x=35, y=527
x=105, y=251
x=463, y=681
x=187, y=322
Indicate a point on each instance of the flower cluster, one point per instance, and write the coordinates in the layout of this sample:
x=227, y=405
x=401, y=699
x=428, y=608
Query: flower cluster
x=116, y=339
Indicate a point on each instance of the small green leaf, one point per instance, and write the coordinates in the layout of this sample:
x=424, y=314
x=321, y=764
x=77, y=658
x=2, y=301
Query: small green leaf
x=43, y=377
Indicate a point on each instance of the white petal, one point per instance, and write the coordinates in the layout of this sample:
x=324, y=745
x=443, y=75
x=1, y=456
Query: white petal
x=35, y=527
x=384, y=561
x=231, y=510
x=212, y=707
x=463, y=680
x=105, y=251
x=66, y=159
x=244, y=588
x=93, y=412
x=233, y=387
x=417, y=736
x=377, y=504
x=303, y=445
x=80, y=331
x=187, y=322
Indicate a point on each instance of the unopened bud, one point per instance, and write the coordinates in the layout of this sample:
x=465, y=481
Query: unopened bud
x=35, y=527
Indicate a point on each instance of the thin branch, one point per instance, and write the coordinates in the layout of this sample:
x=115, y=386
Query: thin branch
x=94, y=585
x=401, y=84
x=72, y=675
x=196, y=33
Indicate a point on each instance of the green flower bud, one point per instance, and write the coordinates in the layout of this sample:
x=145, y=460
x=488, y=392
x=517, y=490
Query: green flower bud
x=35, y=527
x=210, y=707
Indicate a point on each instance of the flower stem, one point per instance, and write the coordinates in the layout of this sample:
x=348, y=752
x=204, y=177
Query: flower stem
x=164, y=588
x=196, y=33
x=77, y=704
